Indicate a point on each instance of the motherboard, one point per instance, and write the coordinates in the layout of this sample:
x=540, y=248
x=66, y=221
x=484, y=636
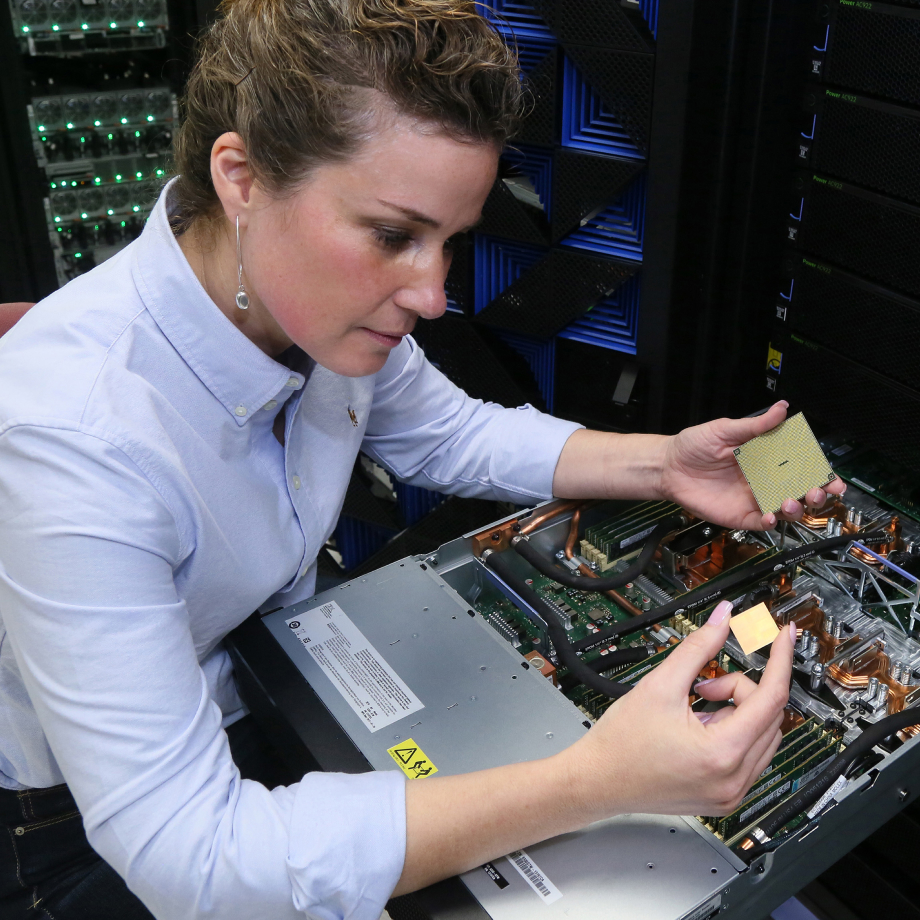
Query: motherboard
x=847, y=575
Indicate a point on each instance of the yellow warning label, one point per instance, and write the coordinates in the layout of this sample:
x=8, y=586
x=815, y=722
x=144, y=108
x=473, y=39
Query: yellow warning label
x=774, y=359
x=411, y=759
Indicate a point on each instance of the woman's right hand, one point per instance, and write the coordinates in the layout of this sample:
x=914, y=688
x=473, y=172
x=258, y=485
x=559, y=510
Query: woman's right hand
x=650, y=753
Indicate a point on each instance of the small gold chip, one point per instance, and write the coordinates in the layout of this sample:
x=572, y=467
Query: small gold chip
x=786, y=462
x=754, y=628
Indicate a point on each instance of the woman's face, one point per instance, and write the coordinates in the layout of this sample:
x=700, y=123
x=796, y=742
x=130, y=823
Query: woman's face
x=347, y=264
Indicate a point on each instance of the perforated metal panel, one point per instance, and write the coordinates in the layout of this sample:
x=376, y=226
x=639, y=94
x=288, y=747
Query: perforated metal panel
x=539, y=126
x=864, y=232
x=583, y=185
x=597, y=22
x=870, y=143
x=624, y=82
x=554, y=292
x=835, y=308
x=875, y=48
x=849, y=398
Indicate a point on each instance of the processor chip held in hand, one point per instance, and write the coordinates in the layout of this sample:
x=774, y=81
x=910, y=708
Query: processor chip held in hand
x=786, y=462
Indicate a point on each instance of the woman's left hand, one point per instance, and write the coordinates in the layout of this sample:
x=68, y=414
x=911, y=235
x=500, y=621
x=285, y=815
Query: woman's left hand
x=700, y=473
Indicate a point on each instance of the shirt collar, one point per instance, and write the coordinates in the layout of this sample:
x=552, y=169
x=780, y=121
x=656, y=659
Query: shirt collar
x=239, y=374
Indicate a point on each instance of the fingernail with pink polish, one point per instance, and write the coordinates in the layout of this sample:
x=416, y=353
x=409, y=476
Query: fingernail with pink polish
x=720, y=614
x=704, y=717
x=783, y=403
x=702, y=683
x=792, y=633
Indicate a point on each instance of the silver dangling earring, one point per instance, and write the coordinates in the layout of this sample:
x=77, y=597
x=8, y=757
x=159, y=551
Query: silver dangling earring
x=242, y=298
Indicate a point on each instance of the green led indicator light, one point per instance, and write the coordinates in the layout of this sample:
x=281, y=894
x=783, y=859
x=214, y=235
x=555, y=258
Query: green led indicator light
x=55, y=28
x=141, y=24
x=57, y=220
x=69, y=124
x=110, y=212
x=149, y=118
x=59, y=229
x=111, y=136
x=97, y=180
x=136, y=208
x=118, y=178
x=113, y=25
x=124, y=223
x=53, y=185
x=82, y=140
x=84, y=215
x=97, y=123
x=78, y=255
x=124, y=121
x=84, y=26
x=159, y=172
x=25, y=28
x=41, y=127
x=139, y=175
x=137, y=133
x=44, y=138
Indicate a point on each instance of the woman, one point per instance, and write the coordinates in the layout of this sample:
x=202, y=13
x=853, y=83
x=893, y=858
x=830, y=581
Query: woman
x=177, y=429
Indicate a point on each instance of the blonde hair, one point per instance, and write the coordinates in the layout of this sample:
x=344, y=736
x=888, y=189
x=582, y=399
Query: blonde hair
x=295, y=79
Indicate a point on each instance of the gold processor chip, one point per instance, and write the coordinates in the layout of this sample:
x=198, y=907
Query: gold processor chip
x=786, y=462
x=754, y=628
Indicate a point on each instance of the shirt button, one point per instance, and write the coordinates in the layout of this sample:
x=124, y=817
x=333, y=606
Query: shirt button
x=240, y=411
x=270, y=405
x=19, y=831
x=293, y=382
x=296, y=481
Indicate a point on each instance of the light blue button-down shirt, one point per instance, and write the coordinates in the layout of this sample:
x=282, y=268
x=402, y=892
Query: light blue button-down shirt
x=146, y=509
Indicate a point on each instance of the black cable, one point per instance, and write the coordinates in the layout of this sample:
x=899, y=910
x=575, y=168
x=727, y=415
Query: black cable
x=855, y=751
x=546, y=565
x=706, y=594
x=501, y=565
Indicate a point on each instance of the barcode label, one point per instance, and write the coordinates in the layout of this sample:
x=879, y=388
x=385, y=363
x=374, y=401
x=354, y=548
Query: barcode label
x=863, y=485
x=818, y=807
x=759, y=806
x=636, y=537
x=547, y=891
x=704, y=911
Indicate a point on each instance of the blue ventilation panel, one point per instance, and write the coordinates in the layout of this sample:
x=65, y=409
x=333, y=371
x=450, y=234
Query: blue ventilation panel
x=613, y=323
x=649, y=9
x=356, y=540
x=540, y=354
x=586, y=122
x=499, y=263
x=414, y=502
x=617, y=230
x=532, y=50
x=537, y=165
x=519, y=20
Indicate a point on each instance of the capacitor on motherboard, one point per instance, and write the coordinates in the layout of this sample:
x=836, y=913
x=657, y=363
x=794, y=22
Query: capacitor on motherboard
x=646, y=603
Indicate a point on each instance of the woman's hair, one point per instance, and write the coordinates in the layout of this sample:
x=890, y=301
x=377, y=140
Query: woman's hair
x=296, y=79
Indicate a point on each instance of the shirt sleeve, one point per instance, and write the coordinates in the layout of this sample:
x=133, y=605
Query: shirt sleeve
x=429, y=433
x=88, y=549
